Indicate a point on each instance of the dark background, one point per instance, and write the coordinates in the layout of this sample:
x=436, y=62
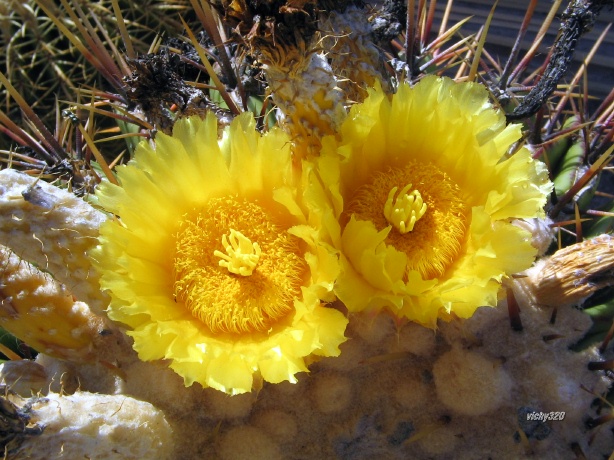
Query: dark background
x=506, y=24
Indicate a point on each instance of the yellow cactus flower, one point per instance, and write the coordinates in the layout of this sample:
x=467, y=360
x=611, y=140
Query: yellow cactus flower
x=212, y=262
x=442, y=245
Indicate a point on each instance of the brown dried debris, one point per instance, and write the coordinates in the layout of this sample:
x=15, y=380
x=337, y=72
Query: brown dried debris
x=270, y=25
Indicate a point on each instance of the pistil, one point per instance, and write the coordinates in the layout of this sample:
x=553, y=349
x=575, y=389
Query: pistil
x=404, y=211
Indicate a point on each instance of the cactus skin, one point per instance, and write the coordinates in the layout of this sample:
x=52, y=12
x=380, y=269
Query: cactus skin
x=556, y=152
x=53, y=229
x=90, y=425
x=43, y=313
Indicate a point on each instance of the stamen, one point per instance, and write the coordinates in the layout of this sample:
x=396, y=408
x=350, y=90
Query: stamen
x=406, y=210
x=241, y=255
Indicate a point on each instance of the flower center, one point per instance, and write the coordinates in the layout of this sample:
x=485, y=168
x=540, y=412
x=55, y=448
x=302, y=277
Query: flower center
x=406, y=209
x=431, y=240
x=241, y=254
x=252, y=285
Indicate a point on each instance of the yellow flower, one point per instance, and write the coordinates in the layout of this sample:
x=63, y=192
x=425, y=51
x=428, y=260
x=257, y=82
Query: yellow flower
x=417, y=194
x=212, y=262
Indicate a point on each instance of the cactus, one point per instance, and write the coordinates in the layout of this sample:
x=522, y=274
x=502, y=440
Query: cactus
x=422, y=393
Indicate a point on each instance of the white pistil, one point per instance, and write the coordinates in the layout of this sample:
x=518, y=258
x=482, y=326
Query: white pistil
x=406, y=209
x=241, y=255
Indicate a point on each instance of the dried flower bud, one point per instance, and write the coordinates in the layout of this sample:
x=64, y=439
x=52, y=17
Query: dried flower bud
x=570, y=275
